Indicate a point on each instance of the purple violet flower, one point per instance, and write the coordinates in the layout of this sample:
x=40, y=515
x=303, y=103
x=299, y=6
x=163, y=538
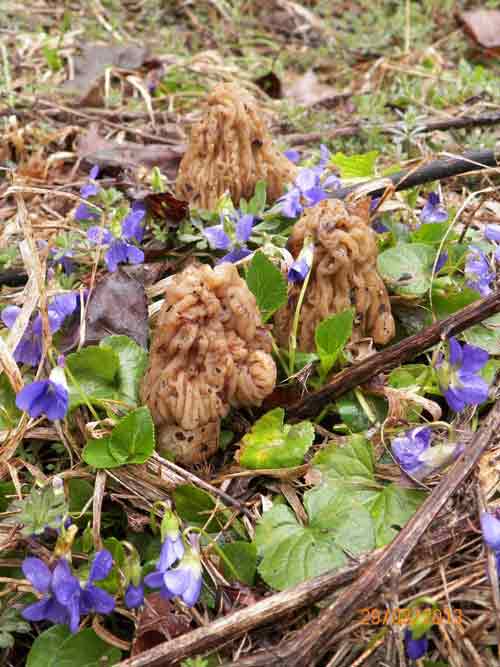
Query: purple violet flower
x=121, y=252
x=477, y=271
x=492, y=232
x=134, y=596
x=62, y=258
x=408, y=449
x=49, y=397
x=432, y=210
x=220, y=240
x=93, y=598
x=132, y=224
x=91, y=188
x=308, y=189
x=61, y=593
x=459, y=375
x=490, y=525
x=297, y=273
x=442, y=259
x=292, y=155
x=415, y=648
x=185, y=579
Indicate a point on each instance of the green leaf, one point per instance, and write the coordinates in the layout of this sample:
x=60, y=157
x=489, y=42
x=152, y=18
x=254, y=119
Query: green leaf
x=96, y=454
x=392, y=508
x=133, y=438
x=57, y=647
x=131, y=441
x=353, y=415
x=243, y=558
x=267, y=284
x=350, y=461
x=407, y=268
x=432, y=233
x=80, y=492
x=485, y=335
x=258, y=202
x=9, y=414
x=43, y=508
x=355, y=166
x=133, y=360
x=292, y=553
x=447, y=303
x=331, y=336
x=6, y=489
x=94, y=369
x=273, y=444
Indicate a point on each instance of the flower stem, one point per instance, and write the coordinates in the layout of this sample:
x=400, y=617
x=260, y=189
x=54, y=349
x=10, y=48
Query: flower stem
x=295, y=324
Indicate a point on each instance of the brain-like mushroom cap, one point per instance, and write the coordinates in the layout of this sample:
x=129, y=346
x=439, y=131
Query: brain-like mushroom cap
x=210, y=351
x=344, y=274
x=230, y=151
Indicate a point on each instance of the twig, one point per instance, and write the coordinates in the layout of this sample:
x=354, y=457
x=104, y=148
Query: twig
x=484, y=120
x=313, y=641
x=395, y=355
x=244, y=620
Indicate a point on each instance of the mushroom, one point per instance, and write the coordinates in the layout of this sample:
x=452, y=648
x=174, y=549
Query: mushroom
x=344, y=275
x=230, y=151
x=210, y=352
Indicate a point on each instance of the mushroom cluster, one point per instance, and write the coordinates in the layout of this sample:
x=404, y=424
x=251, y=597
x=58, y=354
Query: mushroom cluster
x=344, y=275
x=210, y=351
x=230, y=150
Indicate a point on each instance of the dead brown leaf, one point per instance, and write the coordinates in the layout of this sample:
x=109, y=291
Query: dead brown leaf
x=159, y=621
x=118, y=305
x=91, y=65
x=483, y=26
x=97, y=150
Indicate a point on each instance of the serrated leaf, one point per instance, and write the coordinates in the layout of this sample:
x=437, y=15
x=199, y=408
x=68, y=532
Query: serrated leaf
x=243, y=558
x=267, y=284
x=292, y=553
x=485, y=335
x=407, y=268
x=133, y=438
x=273, y=444
x=355, y=166
x=57, y=647
x=352, y=460
x=133, y=360
x=331, y=336
x=431, y=233
x=131, y=441
x=445, y=304
x=391, y=509
x=96, y=454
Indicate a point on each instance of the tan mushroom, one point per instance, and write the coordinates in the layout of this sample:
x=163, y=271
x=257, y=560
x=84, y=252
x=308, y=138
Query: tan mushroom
x=209, y=352
x=230, y=151
x=344, y=275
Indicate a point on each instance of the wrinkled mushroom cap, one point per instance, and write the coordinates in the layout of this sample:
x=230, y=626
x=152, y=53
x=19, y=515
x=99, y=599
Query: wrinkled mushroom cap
x=344, y=275
x=230, y=151
x=209, y=352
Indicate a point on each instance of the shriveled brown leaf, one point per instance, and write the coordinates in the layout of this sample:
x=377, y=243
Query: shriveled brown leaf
x=483, y=26
x=91, y=65
x=118, y=305
x=159, y=621
x=97, y=150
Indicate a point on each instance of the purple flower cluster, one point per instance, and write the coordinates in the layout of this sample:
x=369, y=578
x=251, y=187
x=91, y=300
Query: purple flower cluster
x=219, y=239
x=459, y=375
x=311, y=186
x=433, y=211
x=183, y=580
x=122, y=250
x=65, y=599
x=490, y=526
x=29, y=349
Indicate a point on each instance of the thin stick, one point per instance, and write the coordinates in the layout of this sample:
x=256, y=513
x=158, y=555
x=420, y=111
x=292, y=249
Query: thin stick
x=394, y=356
